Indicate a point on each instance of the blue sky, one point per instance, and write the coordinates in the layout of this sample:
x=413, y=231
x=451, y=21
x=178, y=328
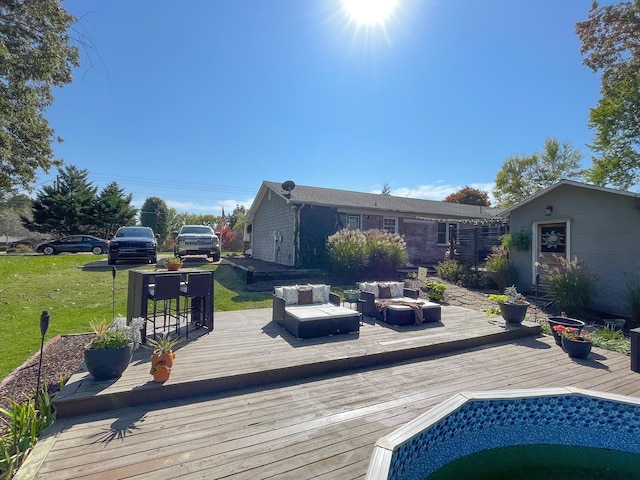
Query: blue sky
x=198, y=102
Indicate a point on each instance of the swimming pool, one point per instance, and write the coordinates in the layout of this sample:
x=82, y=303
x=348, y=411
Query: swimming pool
x=471, y=422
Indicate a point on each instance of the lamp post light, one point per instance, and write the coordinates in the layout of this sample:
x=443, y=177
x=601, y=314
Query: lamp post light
x=44, y=326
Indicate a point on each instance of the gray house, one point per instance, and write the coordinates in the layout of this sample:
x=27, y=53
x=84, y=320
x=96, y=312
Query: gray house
x=600, y=226
x=289, y=224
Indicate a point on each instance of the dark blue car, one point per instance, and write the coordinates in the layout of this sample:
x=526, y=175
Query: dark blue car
x=74, y=244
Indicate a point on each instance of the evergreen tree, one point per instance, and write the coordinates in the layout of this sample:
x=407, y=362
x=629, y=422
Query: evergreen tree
x=68, y=207
x=113, y=210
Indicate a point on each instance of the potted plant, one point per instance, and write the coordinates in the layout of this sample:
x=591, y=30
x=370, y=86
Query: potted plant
x=109, y=354
x=577, y=343
x=513, y=305
x=162, y=357
x=173, y=263
x=564, y=321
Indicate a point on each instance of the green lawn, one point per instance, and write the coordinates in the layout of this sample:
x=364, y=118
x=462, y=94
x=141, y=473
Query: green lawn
x=76, y=289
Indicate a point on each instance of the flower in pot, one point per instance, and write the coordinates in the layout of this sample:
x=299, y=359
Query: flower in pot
x=109, y=353
x=564, y=321
x=513, y=305
x=577, y=343
x=162, y=357
x=173, y=263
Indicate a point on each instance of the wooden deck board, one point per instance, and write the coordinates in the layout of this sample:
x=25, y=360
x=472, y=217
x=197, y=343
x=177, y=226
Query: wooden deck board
x=320, y=427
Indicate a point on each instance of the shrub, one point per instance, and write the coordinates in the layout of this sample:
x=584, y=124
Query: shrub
x=373, y=254
x=570, y=286
x=435, y=290
x=500, y=271
x=346, y=250
x=385, y=253
x=474, y=278
x=449, y=270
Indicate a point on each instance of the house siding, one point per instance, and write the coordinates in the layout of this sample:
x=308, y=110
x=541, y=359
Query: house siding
x=604, y=228
x=273, y=231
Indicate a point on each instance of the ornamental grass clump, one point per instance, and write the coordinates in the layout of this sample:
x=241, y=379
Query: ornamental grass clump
x=26, y=422
x=117, y=334
x=571, y=286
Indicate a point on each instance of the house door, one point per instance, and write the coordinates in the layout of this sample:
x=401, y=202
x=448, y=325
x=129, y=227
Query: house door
x=552, y=244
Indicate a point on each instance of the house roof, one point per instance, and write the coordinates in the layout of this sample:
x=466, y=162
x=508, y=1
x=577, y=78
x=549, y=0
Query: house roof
x=347, y=200
x=565, y=182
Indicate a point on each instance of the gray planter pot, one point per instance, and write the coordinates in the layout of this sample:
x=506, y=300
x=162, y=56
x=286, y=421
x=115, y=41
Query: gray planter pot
x=107, y=363
x=514, y=313
x=565, y=322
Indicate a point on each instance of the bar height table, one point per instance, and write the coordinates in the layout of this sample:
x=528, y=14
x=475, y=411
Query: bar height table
x=138, y=295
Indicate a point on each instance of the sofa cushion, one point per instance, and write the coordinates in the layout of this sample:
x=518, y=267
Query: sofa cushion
x=305, y=296
x=384, y=291
x=370, y=287
x=397, y=289
x=290, y=295
x=320, y=293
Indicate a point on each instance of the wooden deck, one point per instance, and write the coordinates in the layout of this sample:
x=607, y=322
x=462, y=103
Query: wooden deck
x=250, y=401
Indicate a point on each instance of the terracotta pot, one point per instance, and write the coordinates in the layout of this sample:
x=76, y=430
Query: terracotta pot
x=565, y=322
x=514, y=313
x=173, y=266
x=161, y=365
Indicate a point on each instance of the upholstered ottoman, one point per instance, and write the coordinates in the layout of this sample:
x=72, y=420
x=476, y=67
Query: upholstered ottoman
x=308, y=321
x=404, y=315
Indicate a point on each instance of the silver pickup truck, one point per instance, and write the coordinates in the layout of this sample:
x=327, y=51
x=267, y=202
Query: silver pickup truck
x=197, y=240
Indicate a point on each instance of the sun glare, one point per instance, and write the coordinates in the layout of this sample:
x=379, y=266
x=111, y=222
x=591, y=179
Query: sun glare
x=369, y=12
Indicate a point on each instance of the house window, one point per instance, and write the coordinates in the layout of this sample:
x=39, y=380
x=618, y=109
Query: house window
x=353, y=222
x=446, y=232
x=390, y=225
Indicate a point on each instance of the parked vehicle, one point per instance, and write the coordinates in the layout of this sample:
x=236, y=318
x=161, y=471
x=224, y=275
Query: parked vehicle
x=74, y=244
x=133, y=243
x=197, y=240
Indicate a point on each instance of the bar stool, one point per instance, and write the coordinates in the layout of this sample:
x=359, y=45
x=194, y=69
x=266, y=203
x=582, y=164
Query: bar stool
x=166, y=289
x=197, y=289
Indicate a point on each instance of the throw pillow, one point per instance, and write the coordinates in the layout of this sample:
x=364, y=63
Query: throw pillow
x=320, y=293
x=384, y=291
x=305, y=296
x=290, y=295
x=397, y=289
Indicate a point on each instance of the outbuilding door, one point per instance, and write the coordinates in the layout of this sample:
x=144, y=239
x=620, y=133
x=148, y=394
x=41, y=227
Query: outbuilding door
x=552, y=243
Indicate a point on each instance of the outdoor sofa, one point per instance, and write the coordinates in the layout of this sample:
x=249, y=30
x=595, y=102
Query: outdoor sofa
x=308, y=311
x=396, y=305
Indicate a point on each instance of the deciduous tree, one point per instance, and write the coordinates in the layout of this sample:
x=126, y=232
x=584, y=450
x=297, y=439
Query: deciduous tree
x=611, y=45
x=35, y=55
x=523, y=176
x=469, y=196
x=155, y=214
